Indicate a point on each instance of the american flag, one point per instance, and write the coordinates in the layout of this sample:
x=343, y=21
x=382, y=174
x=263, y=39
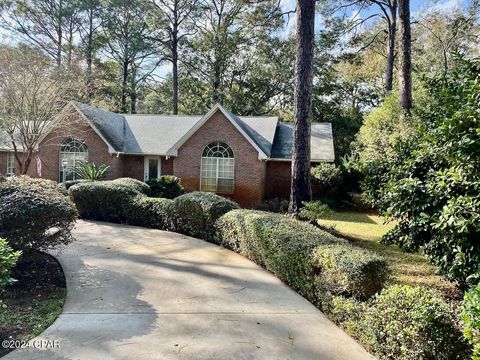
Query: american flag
x=39, y=164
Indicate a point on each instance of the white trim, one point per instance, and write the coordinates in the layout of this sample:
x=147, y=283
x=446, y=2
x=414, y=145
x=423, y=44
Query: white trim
x=146, y=166
x=173, y=151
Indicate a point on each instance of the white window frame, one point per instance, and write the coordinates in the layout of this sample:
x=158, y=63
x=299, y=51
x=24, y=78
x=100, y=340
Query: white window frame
x=75, y=160
x=11, y=163
x=217, y=178
x=146, y=167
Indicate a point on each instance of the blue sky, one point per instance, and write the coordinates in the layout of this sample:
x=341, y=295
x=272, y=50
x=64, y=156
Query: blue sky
x=416, y=6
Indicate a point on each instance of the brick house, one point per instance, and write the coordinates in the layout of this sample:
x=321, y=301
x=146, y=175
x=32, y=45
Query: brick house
x=244, y=158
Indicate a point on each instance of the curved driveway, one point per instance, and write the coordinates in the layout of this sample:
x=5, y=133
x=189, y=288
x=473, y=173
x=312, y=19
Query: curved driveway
x=137, y=294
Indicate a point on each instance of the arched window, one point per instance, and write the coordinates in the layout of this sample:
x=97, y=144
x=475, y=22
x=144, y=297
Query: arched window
x=72, y=152
x=218, y=168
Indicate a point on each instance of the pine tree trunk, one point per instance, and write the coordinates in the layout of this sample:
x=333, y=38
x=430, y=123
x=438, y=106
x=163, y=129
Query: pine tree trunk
x=405, y=73
x=175, y=76
x=392, y=31
x=133, y=91
x=89, y=87
x=305, y=33
x=175, y=59
x=123, y=104
x=58, y=56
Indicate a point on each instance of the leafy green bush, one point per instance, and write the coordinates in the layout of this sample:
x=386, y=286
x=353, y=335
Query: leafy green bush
x=166, y=186
x=381, y=130
x=153, y=213
x=328, y=176
x=195, y=213
x=90, y=171
x=8, y=259
x=351, y=271
x=275, y=205
x=413, y=323
x=314, y=210
x=35, y=214
x=430, y=185
x=138, y=185
x=104, y=200
x=471, y=319
x=306, y=258
x=349, y=314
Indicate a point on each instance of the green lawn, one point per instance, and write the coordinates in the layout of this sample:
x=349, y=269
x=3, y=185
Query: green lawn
x=366, y=230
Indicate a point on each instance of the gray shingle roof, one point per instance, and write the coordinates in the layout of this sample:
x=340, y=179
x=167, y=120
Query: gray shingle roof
x=157, y=134
x=5, y=143
x=321, y=142
x=109, y=124
x=260, y=129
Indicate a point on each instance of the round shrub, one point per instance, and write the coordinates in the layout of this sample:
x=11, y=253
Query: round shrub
x=35, y=214
x=149, y=212
x=135, y=184
x=351, y=271
x=166, y=186
x=195, y=213
x=471, y=319
x=104, y=200
x=8, y=259
x=414, y=323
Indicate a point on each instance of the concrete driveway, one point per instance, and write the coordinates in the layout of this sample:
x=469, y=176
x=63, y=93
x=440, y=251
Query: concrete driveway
x=137, y=293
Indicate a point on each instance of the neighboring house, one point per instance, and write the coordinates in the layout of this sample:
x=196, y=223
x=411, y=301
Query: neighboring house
x=244, y=158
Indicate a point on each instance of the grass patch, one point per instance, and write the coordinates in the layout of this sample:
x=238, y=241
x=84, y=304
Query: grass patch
x=366, y=229
x=32, y=304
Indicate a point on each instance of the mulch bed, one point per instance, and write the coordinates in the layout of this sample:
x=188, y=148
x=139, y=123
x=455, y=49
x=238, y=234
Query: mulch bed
x=39, y=277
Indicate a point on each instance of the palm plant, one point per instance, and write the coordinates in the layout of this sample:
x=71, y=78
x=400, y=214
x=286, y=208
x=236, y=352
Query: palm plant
x=90, y=171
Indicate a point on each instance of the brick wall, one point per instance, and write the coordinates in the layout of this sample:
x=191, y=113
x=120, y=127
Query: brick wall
x=49, y=150
x=133, y=166
x=3, y=162
x=249, y=171
x=278, y=179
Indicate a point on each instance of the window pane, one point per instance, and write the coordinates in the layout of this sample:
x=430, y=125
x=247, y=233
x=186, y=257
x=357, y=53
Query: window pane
x=73, y=151
x=153, y=168
x=225, y=185
x=11, y=163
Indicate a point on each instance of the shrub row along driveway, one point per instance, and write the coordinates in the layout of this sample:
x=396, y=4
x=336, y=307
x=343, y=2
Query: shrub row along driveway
x=137, y=293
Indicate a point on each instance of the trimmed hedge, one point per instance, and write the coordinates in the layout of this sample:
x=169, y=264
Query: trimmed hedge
x=312, y=261
x=135, y=184
x=104, y=200
x=120, y=201
x=195, y=213
x=148, y=212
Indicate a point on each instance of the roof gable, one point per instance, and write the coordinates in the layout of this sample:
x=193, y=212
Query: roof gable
x=251, y=135
x=108, y=125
